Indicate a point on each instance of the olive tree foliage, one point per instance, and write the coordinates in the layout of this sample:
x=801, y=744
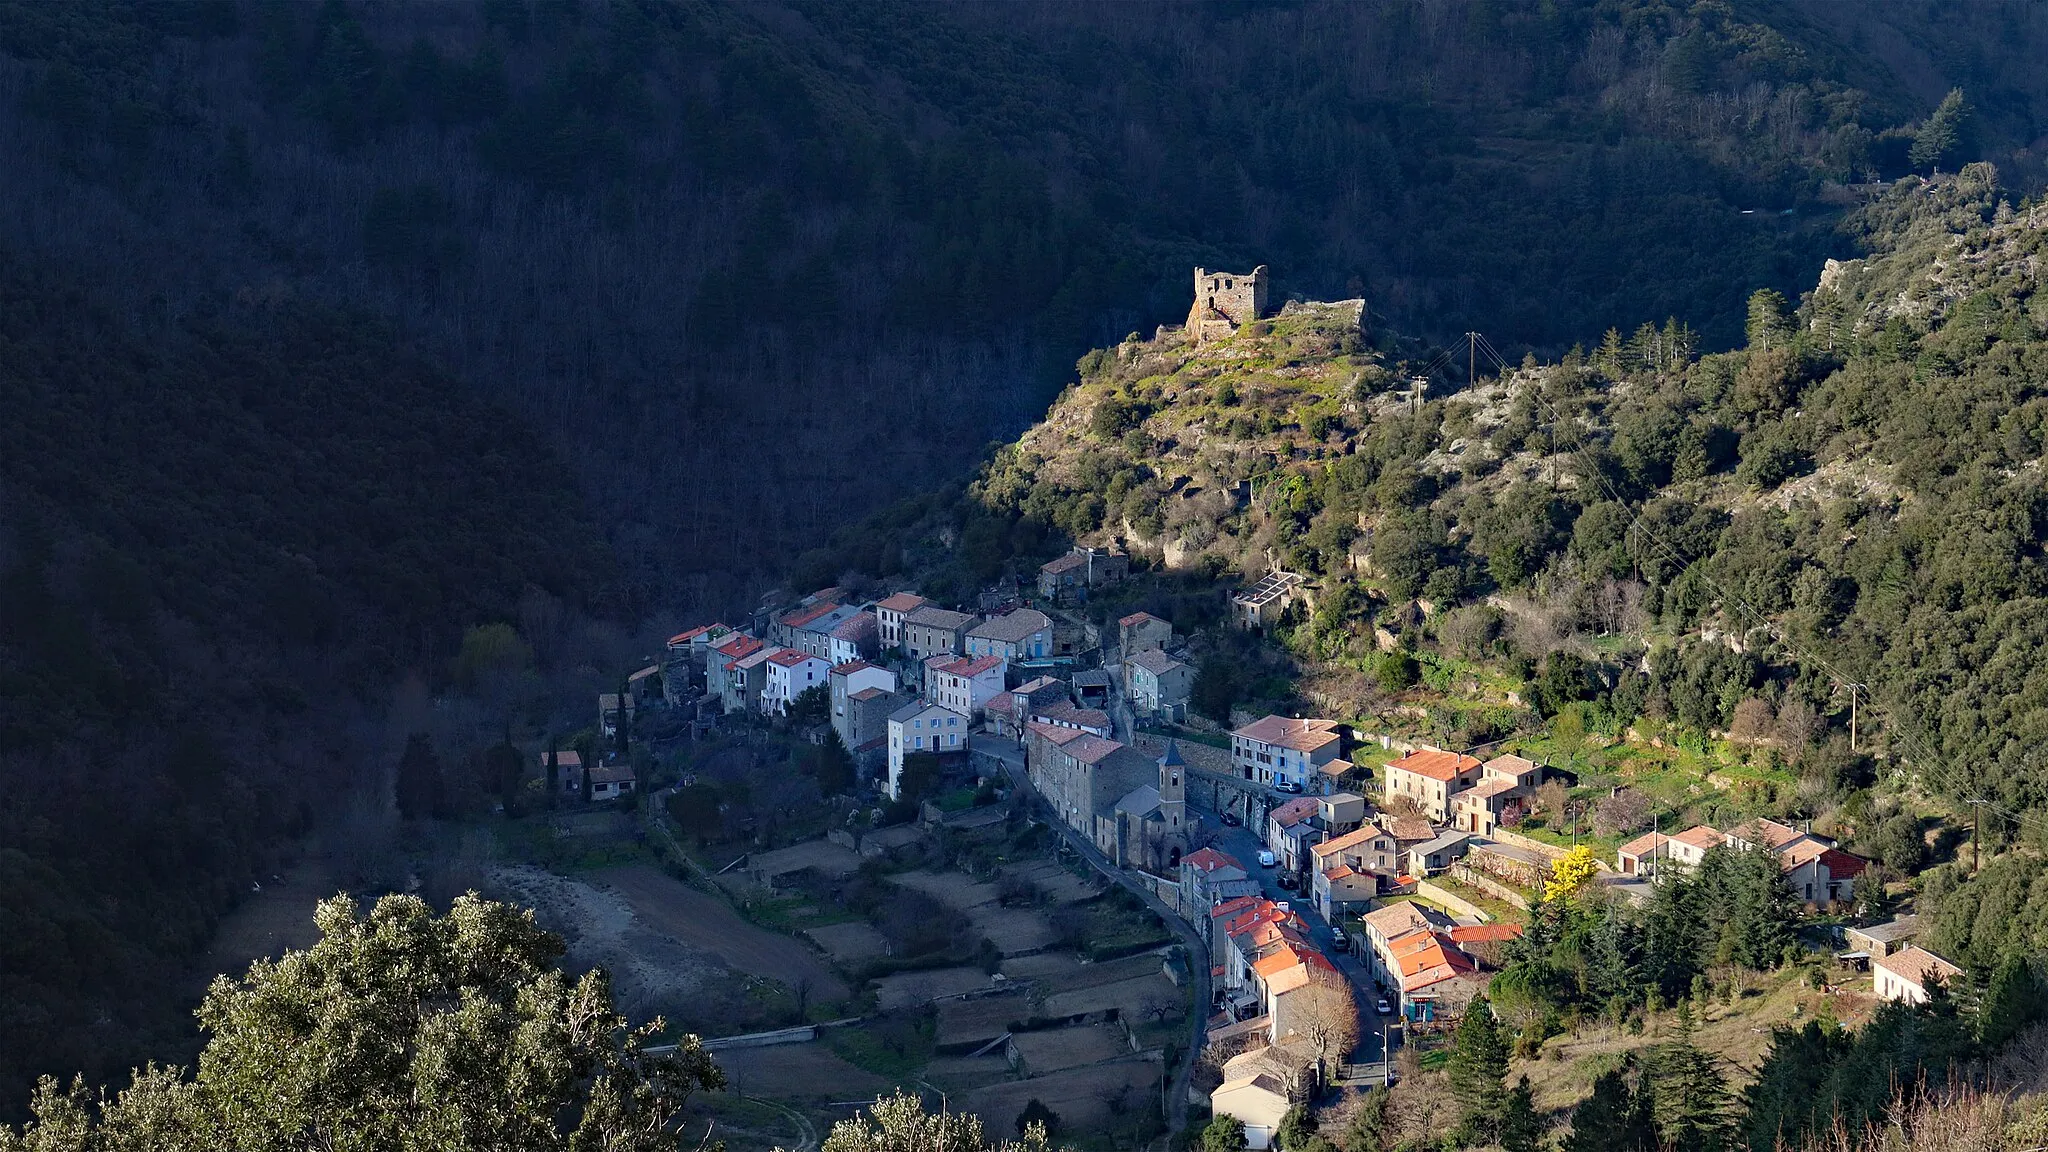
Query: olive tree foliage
x=899, y=1123
x=399, y=1030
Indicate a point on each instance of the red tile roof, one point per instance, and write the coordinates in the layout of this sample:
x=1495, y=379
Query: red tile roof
x=738, y=647
x=791, y=657
x=850, y=667
x=1700, y=836
x=1484, y=933
x=1435, y=763
x=1137, y=618
x=902, y=602
x=692, y=634
x=1209, y=860
x=1300, y=735
x=1917, y=965
x=803, y=616
x=970, y=668
x=1295, y=811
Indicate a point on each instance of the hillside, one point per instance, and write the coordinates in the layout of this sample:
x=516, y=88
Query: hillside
x=874, y=235
x=1663, y=565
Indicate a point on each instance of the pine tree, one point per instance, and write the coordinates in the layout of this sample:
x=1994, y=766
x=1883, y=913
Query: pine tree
x=2014, y=999
x=1689, y=1098
x=1295, y=1128
x=1613, y=1119
x=1520, y=1127
x=1366, y=1130
x=1769, y=326
x=1476, y=1068
x=1942, y=133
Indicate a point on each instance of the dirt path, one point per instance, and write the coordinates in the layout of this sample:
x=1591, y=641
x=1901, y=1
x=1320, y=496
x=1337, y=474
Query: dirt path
x=700, y=920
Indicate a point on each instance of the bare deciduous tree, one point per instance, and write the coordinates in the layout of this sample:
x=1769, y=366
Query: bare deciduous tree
x=1623, y=811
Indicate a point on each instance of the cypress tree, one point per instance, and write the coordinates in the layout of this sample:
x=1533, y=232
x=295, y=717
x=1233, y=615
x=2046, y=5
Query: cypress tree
x=1520, y=1127
x=1690, y=1096
x=1476, y=1069
x=1938, y=138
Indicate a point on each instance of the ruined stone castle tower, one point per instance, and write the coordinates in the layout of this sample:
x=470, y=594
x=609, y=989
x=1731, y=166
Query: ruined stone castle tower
x=1226, y=301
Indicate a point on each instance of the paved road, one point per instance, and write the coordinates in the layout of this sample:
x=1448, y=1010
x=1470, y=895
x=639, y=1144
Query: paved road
x=1245, y=846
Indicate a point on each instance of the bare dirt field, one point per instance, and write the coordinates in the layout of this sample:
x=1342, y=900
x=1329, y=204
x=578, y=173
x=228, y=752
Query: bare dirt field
x=1057, y=1050
x=651, y=970
x=701, y=920
x=797, y=1072
x=955, y=890
x=849, y=943
x=904, y=989
x=1083, y=1097
x=1014, y=931
x=1134, y=999
x=973, y=1022
x=1059, y=885
x=960, y=1073
x=1053, y=968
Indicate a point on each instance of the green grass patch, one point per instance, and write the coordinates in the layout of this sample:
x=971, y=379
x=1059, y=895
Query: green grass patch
x=896, y=1047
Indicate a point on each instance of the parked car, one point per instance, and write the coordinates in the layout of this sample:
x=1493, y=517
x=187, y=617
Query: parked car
x=1288, y=881
x=1291, y=786
x=1267, y=859
x=1232, y=820
x=1384, y=1008
x=1343, y=941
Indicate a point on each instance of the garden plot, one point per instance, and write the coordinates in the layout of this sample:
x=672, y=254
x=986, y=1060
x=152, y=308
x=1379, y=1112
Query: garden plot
x=968, y=1024
x=797, y=1072
x=1059, y=885
x=1052, y=969
x=908, y=989
x=1058, y=1049
x=1086, y=1099
x=1135, y=1000
x=956, y=890
x=959, y=1073
x=1014, y=931
x=849, y=944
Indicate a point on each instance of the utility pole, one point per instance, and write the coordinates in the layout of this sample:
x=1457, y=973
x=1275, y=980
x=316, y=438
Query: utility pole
x=1852, y=715
x=1471, y=358
x=1976, y=834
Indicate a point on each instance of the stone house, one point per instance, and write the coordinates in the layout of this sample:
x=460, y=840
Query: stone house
x=1290, y=829
x=1284, y=753
x=921, y=726
x=1068, y=579
x=718, y=661
x=1433, y=856
x=1157, y=684
x=934, y=631
x=965, y=684
x=1064, y=714
x=1876, y=940
x=609, y=705
x=683, y=660
x=1910, y=974
x=1431, y=777
x=1082, y=777
x=858, y=637
x=1141, y=631
x=1209, y=878
x=867, y=720
x=842, y=682
x=1025, y=634
x=1009, y=712
x=746, y=678
x=1151, y=831
x=889, y=614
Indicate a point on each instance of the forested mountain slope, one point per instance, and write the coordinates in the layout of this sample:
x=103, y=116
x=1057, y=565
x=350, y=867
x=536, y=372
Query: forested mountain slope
x=1711, y=544
x=869, y=235
x=223, y=539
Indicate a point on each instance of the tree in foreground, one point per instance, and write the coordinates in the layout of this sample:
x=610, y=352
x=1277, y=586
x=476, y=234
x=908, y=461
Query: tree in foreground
x=400, y=1031
x=900, y=1123
x=1224, y=1134
x=1476, y=1068
x=1614, y=1118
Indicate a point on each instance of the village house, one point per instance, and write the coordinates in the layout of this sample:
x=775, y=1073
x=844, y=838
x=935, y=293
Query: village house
x=568, y=774
x=1430, y=777
x=718, y=661
x=1340, y=812
x=1818, y=871
x=608, y=714
x=1433, y=856
x=1009, y=712
x=889, y=614
x=746, y=678
x=1082, y=777
x=921, y=727
x=644, y=686
x=1882, y=939
x=965, y=684
x=1068, y=579
x=867, y=720
x=1290, y=829
x=1506, y=788
x=840, y=685
x=858, y=637
x=1412, y=953
x=611, y=781
x=683, y=662
x=810, y=629
x=1260, y=1085
x=1209, y=878
x=1283, y=753
x=1263, y=602
x=930, y=631
x=1910, y=974
x=1141, y=632
x=1025, y=634
x=1091, y=687
x=1065, y=714
x=788, y=674
x=1348, y=868
x=1157, y=684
